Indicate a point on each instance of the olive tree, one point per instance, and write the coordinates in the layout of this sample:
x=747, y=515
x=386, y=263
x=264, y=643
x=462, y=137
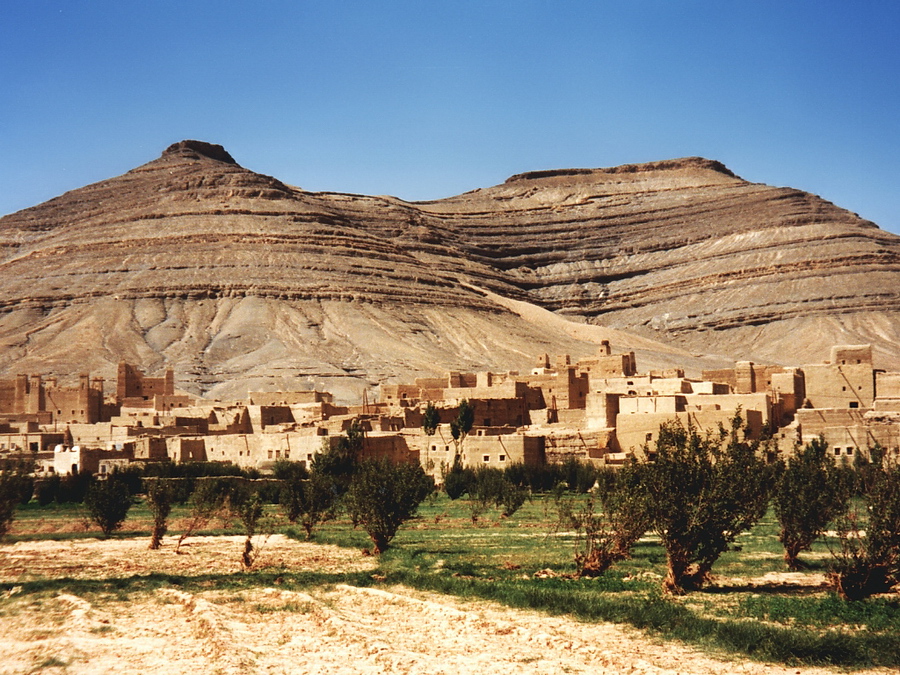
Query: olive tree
x=108, y=502
x=868, y=558
x=384, y=495
x=704, y=489
x=810, y=493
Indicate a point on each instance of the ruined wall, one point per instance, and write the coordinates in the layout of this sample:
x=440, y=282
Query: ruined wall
x=848, y=432
x=132, y=383
x=289, y=398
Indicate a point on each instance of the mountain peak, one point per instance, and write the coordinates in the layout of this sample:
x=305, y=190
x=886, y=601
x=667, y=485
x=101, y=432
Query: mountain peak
x=198, y=149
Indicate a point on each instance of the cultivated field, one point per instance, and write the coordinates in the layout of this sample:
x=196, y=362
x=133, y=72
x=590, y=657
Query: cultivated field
x=449, y=597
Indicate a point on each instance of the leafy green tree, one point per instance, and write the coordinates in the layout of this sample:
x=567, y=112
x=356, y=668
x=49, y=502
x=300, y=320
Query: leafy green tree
x=868, y=559
x=337, y=463
x=160, y=497
x=810, y=493
x=108, y=502
x=385, y=495
x=309, y=501
x=704, y=489
x=431, y=419
x=48, y=489
x=458, y=480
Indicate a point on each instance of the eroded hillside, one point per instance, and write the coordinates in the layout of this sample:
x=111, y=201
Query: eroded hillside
x=240, y=281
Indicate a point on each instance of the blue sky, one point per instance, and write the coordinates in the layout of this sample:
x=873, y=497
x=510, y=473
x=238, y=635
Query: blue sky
x=424, y=100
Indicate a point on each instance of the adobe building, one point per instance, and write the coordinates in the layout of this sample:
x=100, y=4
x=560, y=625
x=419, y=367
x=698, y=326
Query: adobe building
x=32, y=398
x=132, y=386
x=846, y=381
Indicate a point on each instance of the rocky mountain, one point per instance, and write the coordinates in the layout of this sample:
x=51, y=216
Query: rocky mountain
x=242, y=282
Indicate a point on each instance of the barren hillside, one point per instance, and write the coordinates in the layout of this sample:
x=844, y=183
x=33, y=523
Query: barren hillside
x=240, y=281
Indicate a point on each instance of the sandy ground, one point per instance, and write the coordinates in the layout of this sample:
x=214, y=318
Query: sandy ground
x=342, y=629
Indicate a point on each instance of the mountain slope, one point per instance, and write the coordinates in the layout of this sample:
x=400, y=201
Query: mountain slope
x=240, y=281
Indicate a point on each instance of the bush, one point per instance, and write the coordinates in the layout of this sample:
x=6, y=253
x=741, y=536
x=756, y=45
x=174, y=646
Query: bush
x=579, y=476
x=48, y=489
x=107, y=502
x=810, y=493
x=15, y=483
x=208, y=498
x=74, y=487
x=245, y=502
x=384, y=495
x=160, y=497
x=610, y=522
x=285, y=469
x=131, y=476
x=705, y=490
x=486, y=489
x=337, y=464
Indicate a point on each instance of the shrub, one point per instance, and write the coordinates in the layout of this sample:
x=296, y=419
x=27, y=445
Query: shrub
x=246, y=503
x=285, y=469
x=810, y=493
x=130, y=475
x=579, y=476
x=486, y=489
x=610, y=522
x=705, y=490
x=208, y=499
x=160, y=497
x=513, y=498
x=336, y=464
x=74, y=487
x=108, y=502
x=15, y=483
x=48, y=489
x=384, y=495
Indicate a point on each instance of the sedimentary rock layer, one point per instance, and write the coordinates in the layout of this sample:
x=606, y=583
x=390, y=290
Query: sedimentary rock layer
x=233, y=276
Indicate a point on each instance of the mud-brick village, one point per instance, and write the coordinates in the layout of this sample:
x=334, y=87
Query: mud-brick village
x=600, y=409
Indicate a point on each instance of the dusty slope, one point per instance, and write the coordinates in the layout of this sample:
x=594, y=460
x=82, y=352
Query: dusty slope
x=270, y=630
x=686, y=251
x=242, y=282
